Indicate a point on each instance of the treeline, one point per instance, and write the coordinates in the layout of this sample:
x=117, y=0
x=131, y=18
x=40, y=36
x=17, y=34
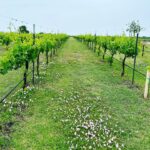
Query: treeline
x=114, y=44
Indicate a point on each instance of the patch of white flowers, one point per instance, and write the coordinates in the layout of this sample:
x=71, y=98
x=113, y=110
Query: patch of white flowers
x=19, y=100
x=86, y=128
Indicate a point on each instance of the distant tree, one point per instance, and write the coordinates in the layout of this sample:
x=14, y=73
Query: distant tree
x=23, y=29
x=133, y=28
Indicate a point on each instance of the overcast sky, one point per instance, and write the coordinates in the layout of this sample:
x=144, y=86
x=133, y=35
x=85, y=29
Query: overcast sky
x=77, y=16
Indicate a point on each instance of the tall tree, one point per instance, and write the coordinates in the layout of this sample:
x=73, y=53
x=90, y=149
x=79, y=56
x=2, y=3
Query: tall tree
x=133, y=28
x=23, y=29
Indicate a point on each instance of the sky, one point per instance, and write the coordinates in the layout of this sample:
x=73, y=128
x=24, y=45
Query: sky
x=76, y=16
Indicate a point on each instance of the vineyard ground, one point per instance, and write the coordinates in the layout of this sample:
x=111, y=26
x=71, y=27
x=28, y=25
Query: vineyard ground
x=99, y=86
x=8, y=81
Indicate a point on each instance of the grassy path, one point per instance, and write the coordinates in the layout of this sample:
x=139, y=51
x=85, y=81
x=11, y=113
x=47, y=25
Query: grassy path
x=82, y=102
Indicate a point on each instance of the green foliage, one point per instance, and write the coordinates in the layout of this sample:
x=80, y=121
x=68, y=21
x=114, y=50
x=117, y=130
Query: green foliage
x=23, y=29
x=23, y=49
x=5, y=39
x=5, y=64
x=134, y=27
x=148, y=68
x=114, y=44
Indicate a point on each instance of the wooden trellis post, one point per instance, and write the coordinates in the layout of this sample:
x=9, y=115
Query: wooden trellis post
x=147, y=83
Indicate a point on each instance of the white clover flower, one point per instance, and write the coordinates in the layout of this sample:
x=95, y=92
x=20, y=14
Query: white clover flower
x=109, y=141
x=77, y=129
x=75, y=133
x=117, y=145
x=85, y=127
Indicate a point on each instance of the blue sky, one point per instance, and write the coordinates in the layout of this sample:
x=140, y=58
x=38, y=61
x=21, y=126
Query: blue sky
x=77, y=16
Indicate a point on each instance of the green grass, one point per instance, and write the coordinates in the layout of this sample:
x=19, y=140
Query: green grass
x=8, y=81
x=78, y=89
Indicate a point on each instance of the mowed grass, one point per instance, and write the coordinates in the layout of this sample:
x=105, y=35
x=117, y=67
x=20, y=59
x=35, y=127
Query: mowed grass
x=76, y=91
x=9, y=80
